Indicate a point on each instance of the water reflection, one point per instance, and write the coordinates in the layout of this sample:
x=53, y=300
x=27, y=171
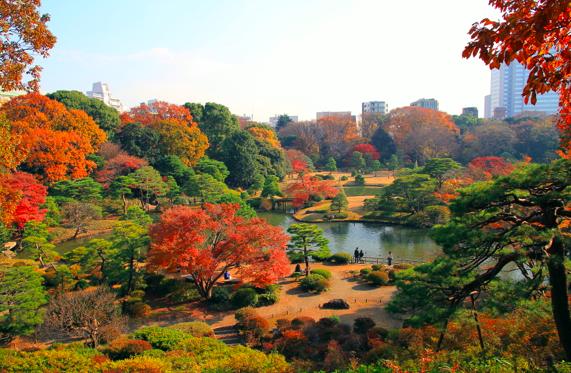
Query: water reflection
x=373, y=239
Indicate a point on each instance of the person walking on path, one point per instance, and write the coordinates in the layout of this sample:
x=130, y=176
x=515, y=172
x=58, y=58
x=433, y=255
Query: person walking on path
x=356, y=254
x=390, y=259
x=361, y=255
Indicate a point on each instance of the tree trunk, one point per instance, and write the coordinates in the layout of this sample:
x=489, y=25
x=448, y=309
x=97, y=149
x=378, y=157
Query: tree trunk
x=77, y=230
x=559, y=296
x=306, y=260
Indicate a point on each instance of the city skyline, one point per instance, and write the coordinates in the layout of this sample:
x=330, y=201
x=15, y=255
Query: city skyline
x=264, y=58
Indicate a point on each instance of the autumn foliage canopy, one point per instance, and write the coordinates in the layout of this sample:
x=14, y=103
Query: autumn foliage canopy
x=536, y=34
x=205, y=243
x=179, y=134
x=53, y=141
x=308, y=187
x=21, y=197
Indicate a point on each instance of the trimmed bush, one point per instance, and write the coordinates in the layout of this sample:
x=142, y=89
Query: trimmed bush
x=340, y=258
x=220, y=295
x=363, y=324
x=314, y=283
x=194, y=328
x=269, y=296
x=135, y=307
x=378, y=278
x=359, y=180
x=376, y=267
x=244, y=297
x=165, y=339
x=251, y=324
x=123, y=348
x=365, y=271
x=321, y=272
x=336, y=304
x=344, y=178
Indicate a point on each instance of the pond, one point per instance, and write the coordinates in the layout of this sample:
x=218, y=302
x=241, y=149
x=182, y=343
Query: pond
x=375, y=240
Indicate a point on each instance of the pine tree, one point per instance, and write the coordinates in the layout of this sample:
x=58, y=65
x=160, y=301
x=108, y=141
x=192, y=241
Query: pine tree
x=340, y=202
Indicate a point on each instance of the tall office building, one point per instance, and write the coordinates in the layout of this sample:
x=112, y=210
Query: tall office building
x=428, y=103
x=101, y=92
x=374, y=107
x=506, y=87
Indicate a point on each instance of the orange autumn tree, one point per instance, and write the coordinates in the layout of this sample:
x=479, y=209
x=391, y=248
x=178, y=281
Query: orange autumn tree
x=265, y=134
x=421, y=133
x=338, y=136
x=179, y=134
x=10, y=158
x=23, y=35
x=486, y=168
x=205, y=243
x=537, y=34
x=54, y=142
x=308, y=187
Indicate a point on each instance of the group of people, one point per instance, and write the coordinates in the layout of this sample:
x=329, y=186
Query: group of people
x=358, y=256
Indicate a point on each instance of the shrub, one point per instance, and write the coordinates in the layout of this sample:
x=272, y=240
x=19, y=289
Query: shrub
x=344, y=178
x=269, y=296
x=123, y=348
x=139, y=364
x=340, y=258
x=165, y=339
x=359, y=180
x=378, y=332
x=220, y=295
x=302, y=322
x=402, y=266
x=378, y=278
x=244, y=297
x=135, y=307
x=251, y=324
x=336, y=304
x=376, y=267
x=328, y=177
x=314, y=283
x=365, y=271
x=321, y=272
x=363, y=324
x=194, y=328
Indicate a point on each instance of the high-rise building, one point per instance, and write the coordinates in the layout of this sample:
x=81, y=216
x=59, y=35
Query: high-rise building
x=275, y=118
x=471, y=111
x=374, y=107
x=428, y=103
x=336, y=114
x=488, y=106
x=101, y=92
x=506, y=87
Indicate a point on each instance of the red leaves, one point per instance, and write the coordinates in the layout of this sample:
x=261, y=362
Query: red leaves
x=120, y=165
x=484, y=168
x=21, y=196
x=308, y=186
x=367, y=149
x=209, y=241
x=157, y=111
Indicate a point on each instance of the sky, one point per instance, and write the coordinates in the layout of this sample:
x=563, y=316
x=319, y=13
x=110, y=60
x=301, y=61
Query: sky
x=266, y=57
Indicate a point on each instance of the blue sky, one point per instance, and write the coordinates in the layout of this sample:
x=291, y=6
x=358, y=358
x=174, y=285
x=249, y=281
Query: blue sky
x=266, y=57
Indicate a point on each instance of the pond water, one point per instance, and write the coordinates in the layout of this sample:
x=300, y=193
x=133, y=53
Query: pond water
x=375, y=240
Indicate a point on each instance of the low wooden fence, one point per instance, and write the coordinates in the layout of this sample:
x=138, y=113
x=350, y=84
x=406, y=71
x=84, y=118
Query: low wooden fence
x=383, y=260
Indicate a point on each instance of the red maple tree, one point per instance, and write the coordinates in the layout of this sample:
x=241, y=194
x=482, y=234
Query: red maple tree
x=120, y=165
x=536, y=34
x=310, y=186
x=205, y=243
x=21, y=199
x=485, y=168
x=367, y=149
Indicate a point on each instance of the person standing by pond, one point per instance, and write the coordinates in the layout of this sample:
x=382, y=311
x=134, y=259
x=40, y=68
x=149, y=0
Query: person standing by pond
x=390, y=259
x=361, y=255
x=356, y=254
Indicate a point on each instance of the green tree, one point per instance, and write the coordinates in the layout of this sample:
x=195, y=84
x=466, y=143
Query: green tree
x=171, y=165
x=217, y=123
x=129, y=241
x=515, y=220
x=359, y=180
x=245, y=211
x=21, y=299
x=358, y=161
x=339, y=202
x=35, y=243
x=141, y=141
x=86, y=189
x=105, y=116
x=148, y=185
x=331, y=164
x=215, y=168
x=440, y=169
x=173, y=189
x=271, y=187
x=121, y=188
x=205, y=186
x=308, y=240
x=53, y=216
x=385, y=143
x=283, y=120
x=409, y=193
x=241, y=158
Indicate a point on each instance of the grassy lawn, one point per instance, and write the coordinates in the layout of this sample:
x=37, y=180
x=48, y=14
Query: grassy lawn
x=351, y=191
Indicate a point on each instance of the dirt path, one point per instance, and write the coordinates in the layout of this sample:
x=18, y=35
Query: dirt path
x=364, y=301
